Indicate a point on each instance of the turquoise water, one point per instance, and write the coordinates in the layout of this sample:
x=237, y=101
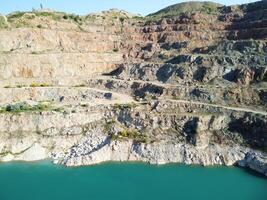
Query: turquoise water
x=128, y=181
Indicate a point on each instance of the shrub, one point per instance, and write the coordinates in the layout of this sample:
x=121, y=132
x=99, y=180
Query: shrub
x=131, y=134
x=3, y=22
x=124, y=106
x=25, y=107
x=80, y=85
x=29, y=15
x=122, y=19
x=138, y=17
x=15, y=15
x=115, y=50
x=109, y=125
x=20, y=86
x=39, y=85
x=65, y=17
x=75, y=18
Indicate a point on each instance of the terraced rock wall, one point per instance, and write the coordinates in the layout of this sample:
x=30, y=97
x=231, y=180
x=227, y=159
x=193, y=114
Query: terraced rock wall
x=186, y=84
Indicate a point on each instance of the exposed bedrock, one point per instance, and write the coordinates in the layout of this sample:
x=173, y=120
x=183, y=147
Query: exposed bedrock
x=163, y=138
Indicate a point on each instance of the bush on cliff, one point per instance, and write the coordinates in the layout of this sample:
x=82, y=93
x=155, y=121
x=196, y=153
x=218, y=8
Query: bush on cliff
x=25, y=107
x=131, y=134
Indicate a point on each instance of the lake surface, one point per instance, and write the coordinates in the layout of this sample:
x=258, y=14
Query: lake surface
x=128, y=181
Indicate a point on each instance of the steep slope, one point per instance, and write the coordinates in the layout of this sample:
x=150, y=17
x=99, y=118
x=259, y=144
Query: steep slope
x=188, y=7
x=49, y=46
x=186, y=84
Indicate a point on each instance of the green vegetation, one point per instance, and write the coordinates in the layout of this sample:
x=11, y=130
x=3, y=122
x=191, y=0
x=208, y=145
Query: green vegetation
x=73, y=17
x=24, y=107
x=108, y=125
x=40, y=85
x=111, y=17
x=80, y=85
x=23, y=19
x=11, y=17
x=18, y=19
x=131, y=134
x=115, y=50
x=138, y=17
x=187, y=7
x=122, y=19
x=31, y=85
x=54, y=15
x=7, y=86
x=3, y=22
x=84, y=104
x=124, y=106
x=20, y=86
x=29, y=16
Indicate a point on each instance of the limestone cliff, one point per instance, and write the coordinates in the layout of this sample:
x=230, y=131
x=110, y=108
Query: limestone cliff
x=186, y=84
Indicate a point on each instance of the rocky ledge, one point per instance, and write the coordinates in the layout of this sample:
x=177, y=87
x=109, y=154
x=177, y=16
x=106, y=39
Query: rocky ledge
x=96, y=149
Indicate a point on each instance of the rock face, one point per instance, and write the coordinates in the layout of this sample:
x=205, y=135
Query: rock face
x=187, y=84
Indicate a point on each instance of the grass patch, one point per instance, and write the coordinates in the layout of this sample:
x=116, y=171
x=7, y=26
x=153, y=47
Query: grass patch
x=124, y=106
x=20, y=86
x=187, y=7
x=54, y=15
x=80, y=85
x=72, y=17
x=138, y=17
x=130, y=134
x=40, y=85
x=7, y=86
x=108, y=125
x=24, y=107
x=3, y=22
x=15, y=15
x=15, y=86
